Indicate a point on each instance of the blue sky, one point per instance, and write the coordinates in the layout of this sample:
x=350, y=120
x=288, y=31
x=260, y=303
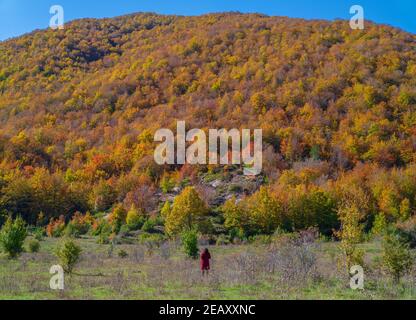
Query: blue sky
x=20, y=16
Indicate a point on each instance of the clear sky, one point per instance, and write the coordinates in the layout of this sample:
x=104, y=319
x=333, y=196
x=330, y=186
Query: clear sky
x=21, y=16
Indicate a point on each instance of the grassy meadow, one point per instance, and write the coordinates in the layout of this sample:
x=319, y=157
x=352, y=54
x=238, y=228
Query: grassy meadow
x=245, y=271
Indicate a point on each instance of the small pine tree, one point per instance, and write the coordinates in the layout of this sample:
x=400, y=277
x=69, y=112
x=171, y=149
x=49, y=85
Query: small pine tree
x=34, y=246
x=12, y=236
x=69, y=255
x=397, y=258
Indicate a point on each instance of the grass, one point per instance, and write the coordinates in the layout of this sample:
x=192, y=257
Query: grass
x=238, y=272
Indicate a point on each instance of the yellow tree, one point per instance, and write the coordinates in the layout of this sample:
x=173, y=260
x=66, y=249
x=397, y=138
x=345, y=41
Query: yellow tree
x=236, y=216
x=118, y=217
x=265, y=212
x=187, y=211
x=350, y=234
x=134, y=218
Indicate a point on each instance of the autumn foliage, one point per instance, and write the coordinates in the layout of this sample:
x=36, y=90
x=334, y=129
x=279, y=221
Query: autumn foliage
x=79, y=108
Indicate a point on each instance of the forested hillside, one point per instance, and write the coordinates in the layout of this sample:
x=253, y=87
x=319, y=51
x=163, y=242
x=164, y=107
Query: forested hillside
x=79, y=107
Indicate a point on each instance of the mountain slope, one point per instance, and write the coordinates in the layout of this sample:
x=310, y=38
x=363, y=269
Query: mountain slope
x=83, y=102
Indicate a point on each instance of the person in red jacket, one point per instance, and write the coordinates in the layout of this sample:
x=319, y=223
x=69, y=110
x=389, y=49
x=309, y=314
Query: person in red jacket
x=205, y=257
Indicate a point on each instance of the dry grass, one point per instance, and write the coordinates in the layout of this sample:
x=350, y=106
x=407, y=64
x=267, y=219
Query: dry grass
x=279, y=271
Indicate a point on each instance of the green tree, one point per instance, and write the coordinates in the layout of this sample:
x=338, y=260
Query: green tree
x=69, y=254
x=236, y=216
x=397, y=257
x=166, y=209
x=351, y=235
x=134, y=219
x=190, y=243
x=12, y=236
x=265, y=212
x=118, y=218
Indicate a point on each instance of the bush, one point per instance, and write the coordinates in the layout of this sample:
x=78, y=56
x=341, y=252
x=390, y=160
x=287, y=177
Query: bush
x=151, y=241
x=167, y=184
x=157, y=239
x=71, y=231
x=222, y=240
x=34, y=246
x=236, y=234
x=39, y=233
x=134, y=219
x=397, y=258
x=190, y=243
x=69, y=255
x=407, y=230
x=56, y=227
x=101, y=227
x=12, y=236
x=261, y=239
x=149, y=225
x=294, y=258
x=123, y=254
x=79, y=225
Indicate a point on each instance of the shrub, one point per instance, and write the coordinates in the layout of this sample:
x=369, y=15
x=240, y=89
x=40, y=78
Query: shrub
x=34, y=246
x=261, y=239
x=149, y=225
x=294, y=258
x=123, y=254
x=167, y=184
x=100, y=227
x=407, y=231
x=156, y=238
x=236, y=234
x=39, y=233
x=103, y=230
x=69, y=255
x=151, y=241
x=397, y=258
x=79, y=224
x=12, y=236
x=134, y=219
x=56, y=227
x=222, y=240
x=190, y=243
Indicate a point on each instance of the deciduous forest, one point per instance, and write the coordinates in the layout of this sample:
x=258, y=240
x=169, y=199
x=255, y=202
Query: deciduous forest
x=79, y=108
